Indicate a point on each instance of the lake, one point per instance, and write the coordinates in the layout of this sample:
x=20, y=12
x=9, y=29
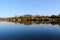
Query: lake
x=17, y=31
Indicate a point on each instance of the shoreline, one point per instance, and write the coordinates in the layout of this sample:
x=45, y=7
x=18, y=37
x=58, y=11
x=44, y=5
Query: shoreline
x=52, y=18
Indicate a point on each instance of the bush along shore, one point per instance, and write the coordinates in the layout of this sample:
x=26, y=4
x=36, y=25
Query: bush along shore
x=31, y=18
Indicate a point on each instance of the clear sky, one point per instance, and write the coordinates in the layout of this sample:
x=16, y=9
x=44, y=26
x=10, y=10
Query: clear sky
x=21, y=7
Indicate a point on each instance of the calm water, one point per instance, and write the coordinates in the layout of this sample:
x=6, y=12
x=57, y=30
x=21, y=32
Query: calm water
x=13, y=31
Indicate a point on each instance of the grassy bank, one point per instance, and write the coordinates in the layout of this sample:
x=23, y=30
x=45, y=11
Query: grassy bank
x=33, y=18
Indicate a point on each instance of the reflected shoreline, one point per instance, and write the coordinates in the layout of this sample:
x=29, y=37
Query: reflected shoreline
x=35, y=22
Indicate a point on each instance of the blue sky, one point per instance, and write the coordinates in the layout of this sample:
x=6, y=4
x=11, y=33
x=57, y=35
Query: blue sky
x=20, y=7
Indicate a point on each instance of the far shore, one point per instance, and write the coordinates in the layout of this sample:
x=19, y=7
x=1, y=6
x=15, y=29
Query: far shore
x=52, y=18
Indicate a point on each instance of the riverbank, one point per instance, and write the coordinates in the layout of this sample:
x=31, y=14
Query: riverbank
x=52, y=18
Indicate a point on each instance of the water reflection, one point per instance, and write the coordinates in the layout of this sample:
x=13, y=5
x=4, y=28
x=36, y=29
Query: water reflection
x=34, y=32
x=36, y=22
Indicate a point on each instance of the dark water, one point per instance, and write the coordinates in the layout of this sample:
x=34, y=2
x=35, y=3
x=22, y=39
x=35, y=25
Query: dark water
x=13, y=31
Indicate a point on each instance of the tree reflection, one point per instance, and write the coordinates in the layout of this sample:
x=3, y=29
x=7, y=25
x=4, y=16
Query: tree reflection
x=36, y=22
